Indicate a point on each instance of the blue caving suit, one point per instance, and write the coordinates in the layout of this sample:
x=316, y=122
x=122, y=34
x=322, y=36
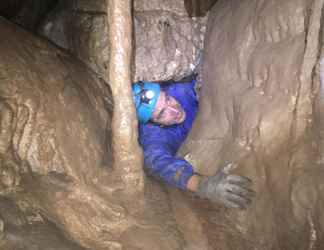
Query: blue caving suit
x=160, y=144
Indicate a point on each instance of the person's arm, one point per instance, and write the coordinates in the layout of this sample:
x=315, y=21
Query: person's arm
x=161, y=163
x=193, y=183
x=159, y=150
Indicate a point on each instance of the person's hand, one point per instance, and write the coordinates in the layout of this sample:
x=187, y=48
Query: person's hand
x=232, y=190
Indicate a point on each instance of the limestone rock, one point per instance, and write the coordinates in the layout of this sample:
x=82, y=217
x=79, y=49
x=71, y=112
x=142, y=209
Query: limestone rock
x=29, y=13
x=25, y=230
x=256, y=110
x=167, y=45
x=56, y=159
x=168, y=42
x=81, y=29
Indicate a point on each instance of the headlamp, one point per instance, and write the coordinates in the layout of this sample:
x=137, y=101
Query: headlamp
x=146, y=95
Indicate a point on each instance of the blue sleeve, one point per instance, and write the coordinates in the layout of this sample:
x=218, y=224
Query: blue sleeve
x=159, y=156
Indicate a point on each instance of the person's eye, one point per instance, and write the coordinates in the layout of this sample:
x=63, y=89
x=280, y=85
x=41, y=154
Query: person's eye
x=162, y=114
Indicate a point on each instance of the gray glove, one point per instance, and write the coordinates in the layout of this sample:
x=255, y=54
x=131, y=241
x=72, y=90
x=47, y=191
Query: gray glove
x=232, y=190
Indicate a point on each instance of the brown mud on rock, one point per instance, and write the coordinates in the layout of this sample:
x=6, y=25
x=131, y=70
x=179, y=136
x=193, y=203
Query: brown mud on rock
x=260, y=107
x=81, y=28
x=168, y=41
x=256, y=109
x=27, y=230
x=56, y=158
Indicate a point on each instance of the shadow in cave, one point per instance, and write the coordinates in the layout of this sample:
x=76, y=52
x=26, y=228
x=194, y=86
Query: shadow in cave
x=27, y=13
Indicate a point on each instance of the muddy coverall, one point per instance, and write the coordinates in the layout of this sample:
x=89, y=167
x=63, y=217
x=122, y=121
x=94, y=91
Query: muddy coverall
x=160, y=144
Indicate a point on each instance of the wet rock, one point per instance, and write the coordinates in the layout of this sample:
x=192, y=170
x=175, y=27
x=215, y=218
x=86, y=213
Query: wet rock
x=167, y=44
x=28, y=13
x=38, y=236
x=44, y=123
x=2, y=235
x=126, y=150
x=256, y=109
x=17, y=231
x=9, y=176
x=9, y=171
x=198, y=7
x=9, y=9
x=176, y=7
x=11, y=214
x=183, y=8
x=319, y=109
x=189, y=223
x=80, y=27
x=56, y=125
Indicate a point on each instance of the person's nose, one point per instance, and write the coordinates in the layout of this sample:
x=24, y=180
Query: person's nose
x=173, y=103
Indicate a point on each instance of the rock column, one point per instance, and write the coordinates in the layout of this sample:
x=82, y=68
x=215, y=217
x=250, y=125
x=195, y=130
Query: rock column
x=127, y=154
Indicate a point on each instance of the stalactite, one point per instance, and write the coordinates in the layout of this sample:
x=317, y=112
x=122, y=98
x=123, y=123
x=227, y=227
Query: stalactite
x=127, y=154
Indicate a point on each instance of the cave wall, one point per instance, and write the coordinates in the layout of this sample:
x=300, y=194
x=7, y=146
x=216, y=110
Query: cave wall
x=56, y=160
x=9, y=9
x=256, y=109
x=167, y=41
x=198, y=7
x=54, y=125
x=18, y=77
x=25, y=229
x=26, y=13
x=259, y=82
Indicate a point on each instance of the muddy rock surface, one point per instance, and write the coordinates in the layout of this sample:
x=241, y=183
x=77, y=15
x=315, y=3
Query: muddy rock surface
x=80, y=27
x=25, y=229
x=168, y=41
x=259, y=84
x=56, y=160
x=196, y=8
x=261, y=107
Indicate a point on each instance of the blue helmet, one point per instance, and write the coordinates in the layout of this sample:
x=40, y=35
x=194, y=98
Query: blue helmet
x=145, y=95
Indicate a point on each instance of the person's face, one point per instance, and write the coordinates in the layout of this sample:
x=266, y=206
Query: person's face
x=168, y=111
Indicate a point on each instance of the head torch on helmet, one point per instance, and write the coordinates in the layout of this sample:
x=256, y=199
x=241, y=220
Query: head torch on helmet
x=145, y=96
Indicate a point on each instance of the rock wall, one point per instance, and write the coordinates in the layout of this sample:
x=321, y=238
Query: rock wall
x=28, y=230
x=26, y=13
x=50, y=105
x=167, y=44
x=256, y=109
x=198, y=7
x=260, y=106
x=56, y=161
x=80, y=28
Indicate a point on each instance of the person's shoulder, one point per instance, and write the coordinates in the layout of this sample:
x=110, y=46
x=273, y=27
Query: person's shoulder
x=153, y=134
x=151, y=129
x=182, y=88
